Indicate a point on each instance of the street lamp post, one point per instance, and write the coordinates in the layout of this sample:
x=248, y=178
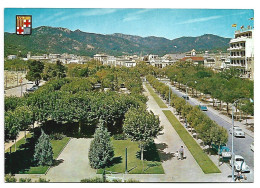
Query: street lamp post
x=232, y=140
x=169, y=94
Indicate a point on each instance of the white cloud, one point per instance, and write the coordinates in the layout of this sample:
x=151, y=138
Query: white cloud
x=92, y=12
x=203, y=19
x=53, y=17
x=136, y=15
x=98, y=12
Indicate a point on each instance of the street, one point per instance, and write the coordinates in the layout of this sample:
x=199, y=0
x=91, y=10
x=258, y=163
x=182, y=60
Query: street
x=241, y=145
x=16, y=91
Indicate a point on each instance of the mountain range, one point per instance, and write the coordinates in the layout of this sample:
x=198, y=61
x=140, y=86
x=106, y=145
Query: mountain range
x=45, y=40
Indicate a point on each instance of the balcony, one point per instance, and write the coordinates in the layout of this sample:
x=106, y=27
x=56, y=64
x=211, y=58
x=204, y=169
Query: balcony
x=236, y=48
x=239, y=39
x=237, y=57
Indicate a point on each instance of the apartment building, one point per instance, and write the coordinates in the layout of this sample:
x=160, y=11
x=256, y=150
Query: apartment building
x=242, y=51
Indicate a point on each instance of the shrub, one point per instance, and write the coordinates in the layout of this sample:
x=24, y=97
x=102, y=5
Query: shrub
x=131, y=181
x=25, y=180
x=42, y=180
x=57, y=136
x=119, y=136
x=92, y=180
x=10, y=179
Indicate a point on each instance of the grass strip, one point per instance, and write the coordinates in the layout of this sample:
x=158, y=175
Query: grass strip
x=199, y=155
x=156, y=97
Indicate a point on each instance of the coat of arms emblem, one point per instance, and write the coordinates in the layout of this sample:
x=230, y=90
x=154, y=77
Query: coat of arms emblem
x=23, y=24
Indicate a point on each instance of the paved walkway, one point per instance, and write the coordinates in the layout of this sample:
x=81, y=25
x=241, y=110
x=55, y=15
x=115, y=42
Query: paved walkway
x=74, y=164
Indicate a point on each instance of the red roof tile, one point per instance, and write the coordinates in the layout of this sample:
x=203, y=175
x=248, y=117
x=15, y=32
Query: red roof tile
x=193, y=58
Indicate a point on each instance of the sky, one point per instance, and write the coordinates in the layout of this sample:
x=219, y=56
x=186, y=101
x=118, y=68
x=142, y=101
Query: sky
x=168, y=23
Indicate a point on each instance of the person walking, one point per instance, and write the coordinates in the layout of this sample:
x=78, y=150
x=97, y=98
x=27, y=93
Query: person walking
x=181, y=152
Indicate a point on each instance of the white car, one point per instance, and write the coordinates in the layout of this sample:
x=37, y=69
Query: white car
x=237, y=132
x=252, y=146
x=240, y=164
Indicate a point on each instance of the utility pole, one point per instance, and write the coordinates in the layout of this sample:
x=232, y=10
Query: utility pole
x=17, y=79
x=21, y=90
x=125, y=160
x=232, y=146
x=169, y=94
x=6, y=80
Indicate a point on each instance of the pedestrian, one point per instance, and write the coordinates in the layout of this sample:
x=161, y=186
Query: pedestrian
x=181, y=152
x=177, y=155
x=239, y=176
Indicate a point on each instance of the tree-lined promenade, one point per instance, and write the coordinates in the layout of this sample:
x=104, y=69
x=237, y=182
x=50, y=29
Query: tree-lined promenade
x=208, y=131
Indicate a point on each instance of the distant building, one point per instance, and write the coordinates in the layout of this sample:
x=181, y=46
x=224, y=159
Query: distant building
x=43, y=57
x=110, y=60
x=125, y=63
x=159, y=62
x=209, y=62
x=194, y=60
x=130, y=64
x=11, y=57
x=100, y=57
x=192, y=53
x=152, y=57
x=242, y=51
x=54, y=56
x=174, y=57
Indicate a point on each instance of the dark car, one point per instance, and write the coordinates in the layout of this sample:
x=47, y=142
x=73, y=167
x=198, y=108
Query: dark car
x=185, y=97
x=32, y=89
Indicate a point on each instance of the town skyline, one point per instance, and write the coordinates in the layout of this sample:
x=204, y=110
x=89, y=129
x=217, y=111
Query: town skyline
x=140, y=22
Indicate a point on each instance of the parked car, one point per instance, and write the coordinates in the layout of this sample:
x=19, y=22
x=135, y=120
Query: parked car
x=252, y=146
x=223, y=151
x=240, y=164
x=203, y=108
x=237, y=132
x=185, y=97
x=32, y=89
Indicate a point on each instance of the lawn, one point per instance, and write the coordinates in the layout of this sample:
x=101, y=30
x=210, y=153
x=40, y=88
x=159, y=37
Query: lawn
x=151, y=164
x=21, y=160
x=199, y=155
x=156, y=97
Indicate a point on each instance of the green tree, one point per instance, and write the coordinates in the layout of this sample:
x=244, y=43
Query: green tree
x=141, y=126
x=43, y=154
x=35, y=71
x=12, y=126
x=101, y=151
x=54, y=71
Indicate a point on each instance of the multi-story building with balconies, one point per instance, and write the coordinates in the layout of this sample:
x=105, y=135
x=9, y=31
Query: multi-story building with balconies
x=242, y=52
